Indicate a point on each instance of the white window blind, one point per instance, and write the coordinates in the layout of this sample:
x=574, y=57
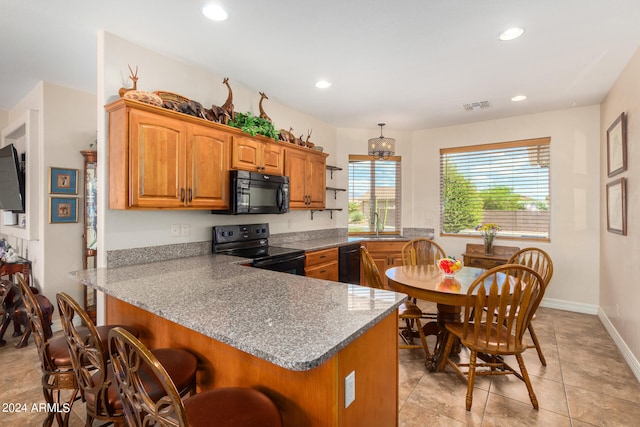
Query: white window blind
x=504, y=183
x=374, y=187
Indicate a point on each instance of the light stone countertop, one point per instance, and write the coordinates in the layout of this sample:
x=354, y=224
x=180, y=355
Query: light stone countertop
x=295, y=322
x=332, y=242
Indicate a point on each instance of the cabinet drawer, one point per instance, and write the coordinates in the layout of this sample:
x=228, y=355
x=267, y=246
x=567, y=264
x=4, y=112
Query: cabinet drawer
x=323, y=271
x=321, y=257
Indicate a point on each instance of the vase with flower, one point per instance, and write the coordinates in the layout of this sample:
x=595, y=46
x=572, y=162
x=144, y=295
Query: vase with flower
x=488, y=231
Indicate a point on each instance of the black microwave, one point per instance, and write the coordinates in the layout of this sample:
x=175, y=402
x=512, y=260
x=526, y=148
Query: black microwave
x=257, y=193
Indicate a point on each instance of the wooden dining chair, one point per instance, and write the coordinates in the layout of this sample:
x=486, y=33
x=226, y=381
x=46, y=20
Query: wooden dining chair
x=511, y=291
x=92, y=367
x=58, y=376
x=134, y=365
x=540, y=261
x=407, y=312
x=422, y=251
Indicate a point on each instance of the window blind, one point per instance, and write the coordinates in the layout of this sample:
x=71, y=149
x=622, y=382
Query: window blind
x=374, y=187
x=503, y=183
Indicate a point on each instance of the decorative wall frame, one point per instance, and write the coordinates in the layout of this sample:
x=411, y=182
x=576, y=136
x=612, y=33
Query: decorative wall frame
x=63, y=181
x=617, y=206
x=63, y=210
x=617, y=146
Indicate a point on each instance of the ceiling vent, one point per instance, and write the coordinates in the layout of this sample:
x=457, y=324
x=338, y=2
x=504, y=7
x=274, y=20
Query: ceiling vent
x=481, y=105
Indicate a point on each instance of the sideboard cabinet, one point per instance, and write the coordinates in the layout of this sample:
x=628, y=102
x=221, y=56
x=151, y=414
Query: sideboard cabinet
x=159, y=159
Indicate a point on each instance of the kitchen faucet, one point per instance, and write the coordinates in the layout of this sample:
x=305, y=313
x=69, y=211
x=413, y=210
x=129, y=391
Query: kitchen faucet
x=376, y=222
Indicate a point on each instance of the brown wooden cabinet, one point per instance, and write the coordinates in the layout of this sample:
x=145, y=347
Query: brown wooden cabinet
x=322, y=264
x=385, y=255
x=474, y=256
x=253, y=155
x=160, y=160
x=306, y=170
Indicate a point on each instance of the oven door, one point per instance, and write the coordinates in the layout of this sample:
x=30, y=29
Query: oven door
x=293, y=264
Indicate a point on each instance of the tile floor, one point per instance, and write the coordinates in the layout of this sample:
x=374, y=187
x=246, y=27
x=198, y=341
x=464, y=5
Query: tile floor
x=586, y=383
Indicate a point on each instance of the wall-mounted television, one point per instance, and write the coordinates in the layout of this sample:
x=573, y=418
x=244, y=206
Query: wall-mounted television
x=11, y=180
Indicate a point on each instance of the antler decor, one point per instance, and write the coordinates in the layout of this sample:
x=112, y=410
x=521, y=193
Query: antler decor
x=134, y=78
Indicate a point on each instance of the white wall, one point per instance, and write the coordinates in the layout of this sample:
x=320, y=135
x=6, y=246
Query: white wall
x=574, y=172
x=620, y=255
x=129, y=229
x=69, y=124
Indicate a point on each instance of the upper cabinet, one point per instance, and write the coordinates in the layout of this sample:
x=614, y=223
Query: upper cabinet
x=159, y=159
x=162, y=159
x=306, y=170
x=253, y=155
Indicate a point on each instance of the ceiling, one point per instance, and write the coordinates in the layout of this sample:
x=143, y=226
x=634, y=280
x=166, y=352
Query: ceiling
x=411, y=64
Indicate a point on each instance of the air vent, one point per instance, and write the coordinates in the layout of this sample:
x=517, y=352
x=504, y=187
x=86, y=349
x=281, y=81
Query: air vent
x=481, y=105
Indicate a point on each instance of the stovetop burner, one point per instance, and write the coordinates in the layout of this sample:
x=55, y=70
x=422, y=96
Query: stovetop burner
x=248, y=241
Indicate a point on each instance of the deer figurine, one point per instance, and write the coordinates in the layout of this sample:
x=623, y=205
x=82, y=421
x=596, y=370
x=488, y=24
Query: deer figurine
x=228, y=104
x=306, y=141
x=134, y=78
x=263, y=115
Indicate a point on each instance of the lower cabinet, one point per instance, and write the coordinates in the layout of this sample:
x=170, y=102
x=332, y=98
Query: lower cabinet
x=385, y=255
x=322, y=264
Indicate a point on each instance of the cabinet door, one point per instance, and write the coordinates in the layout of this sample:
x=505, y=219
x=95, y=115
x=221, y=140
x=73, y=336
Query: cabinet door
x=272, y=158
x=295, y=168
x=316, y=181
x=157, y=151
x=386, y=255
x=246, y=154
x=207, y=168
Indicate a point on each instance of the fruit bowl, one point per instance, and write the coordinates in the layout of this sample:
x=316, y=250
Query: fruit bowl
x=449, y=265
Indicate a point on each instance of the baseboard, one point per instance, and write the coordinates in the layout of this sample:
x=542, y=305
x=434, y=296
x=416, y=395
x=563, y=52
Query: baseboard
x=570, y=306
x=632, y=361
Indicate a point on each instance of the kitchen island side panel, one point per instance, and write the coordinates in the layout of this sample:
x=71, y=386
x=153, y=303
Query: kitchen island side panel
x=305, y=398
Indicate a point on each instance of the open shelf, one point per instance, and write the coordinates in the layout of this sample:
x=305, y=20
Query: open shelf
x=332, y=169
x=335, y=191
x=330, y=210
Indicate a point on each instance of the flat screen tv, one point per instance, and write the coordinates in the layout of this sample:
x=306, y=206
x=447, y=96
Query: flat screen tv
x=11, y=180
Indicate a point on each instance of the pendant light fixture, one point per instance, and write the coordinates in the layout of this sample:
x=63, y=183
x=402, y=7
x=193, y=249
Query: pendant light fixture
x=381, y=148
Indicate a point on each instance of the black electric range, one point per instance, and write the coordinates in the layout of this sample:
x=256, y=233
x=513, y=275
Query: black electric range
x=252, y=241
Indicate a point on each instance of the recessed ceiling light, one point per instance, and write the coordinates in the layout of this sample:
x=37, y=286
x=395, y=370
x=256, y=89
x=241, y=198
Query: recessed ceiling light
x=511, y=33
x=214, y=12
x=322, y=84
x=518, y=98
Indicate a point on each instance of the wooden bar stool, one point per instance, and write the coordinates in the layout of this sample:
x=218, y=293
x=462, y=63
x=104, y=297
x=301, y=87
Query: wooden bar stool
x=95, y=379
x=55, y=361
x=225, y=407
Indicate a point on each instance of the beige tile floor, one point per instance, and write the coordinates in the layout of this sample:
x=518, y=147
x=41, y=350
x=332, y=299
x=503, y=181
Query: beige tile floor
x=586, y=383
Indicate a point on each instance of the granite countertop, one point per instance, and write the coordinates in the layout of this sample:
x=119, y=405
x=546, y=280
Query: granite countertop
x=332, y=242
x=295, y=322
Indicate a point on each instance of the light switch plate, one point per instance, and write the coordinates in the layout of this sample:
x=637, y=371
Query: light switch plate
x=349, y=389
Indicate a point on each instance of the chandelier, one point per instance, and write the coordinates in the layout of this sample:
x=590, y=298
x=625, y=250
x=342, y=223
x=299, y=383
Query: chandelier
x=381, y=147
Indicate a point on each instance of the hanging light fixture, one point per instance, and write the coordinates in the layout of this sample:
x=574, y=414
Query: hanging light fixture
x=381, y=148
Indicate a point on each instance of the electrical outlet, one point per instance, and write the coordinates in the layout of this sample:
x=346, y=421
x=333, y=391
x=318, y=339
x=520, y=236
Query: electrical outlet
x=175, y=230
x=184, y=229
x=349, y=389
x=289, y=223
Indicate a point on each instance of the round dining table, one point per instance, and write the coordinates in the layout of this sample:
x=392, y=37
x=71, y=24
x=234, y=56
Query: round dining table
x=429, y=283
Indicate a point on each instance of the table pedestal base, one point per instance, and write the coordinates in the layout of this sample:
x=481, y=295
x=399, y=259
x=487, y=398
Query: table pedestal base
x=446, y=314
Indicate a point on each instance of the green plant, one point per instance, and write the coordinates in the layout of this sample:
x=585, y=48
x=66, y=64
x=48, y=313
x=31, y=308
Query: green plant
x=254, y=125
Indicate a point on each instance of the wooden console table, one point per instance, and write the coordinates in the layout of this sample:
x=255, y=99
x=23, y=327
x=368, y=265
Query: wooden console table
x=18, y=265
x=474, y=256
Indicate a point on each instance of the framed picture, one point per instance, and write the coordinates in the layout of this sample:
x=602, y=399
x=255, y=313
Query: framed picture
x=617, y=206
x=617, y=146
x=63, y=181
x=63, y=210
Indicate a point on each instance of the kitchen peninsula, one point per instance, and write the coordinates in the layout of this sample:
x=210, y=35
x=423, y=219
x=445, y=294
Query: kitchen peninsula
x=292, y=337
